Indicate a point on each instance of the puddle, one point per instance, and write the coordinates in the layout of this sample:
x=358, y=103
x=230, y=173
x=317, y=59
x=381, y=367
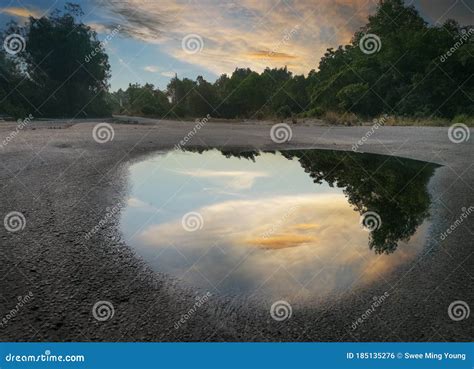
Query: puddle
x=277, y=223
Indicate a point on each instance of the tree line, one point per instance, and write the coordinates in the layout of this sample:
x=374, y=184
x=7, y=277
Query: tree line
x=397, y=64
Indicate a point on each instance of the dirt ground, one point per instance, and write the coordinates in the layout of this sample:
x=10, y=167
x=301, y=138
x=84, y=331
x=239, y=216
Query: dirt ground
x=63, y=181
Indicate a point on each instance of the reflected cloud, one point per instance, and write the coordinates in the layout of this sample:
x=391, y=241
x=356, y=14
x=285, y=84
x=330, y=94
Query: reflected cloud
x=304, y=244
x=237, y=180
x=291, y=225
x=134, y=202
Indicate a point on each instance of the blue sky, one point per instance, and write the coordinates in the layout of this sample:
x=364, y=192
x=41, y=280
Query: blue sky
x=156, y=39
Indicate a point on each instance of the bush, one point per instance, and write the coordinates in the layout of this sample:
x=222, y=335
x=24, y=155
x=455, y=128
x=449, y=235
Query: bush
x=463, y=118
x=314, y=113
x=348, y=119
x=284, y=112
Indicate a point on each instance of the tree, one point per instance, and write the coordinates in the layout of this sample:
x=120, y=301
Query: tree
x=65, y=66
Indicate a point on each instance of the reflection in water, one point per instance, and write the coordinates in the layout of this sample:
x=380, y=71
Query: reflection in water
x=269, y=228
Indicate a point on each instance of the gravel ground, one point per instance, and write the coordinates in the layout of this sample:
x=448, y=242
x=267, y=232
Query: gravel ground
x=62, y=181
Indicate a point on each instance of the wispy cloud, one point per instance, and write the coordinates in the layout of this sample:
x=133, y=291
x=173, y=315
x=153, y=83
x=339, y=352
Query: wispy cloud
x=20, y=12
x=244, y=33
x=151, y=68
x=237, y=180
x=251, y=33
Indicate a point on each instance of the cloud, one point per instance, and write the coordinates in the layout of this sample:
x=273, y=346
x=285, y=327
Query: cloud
x=250, y=33
x=261, y=54
x=169, y=74
x=253, y=34
x=320, y=236
x=135, y=202
x=282, y=241
x=151, y=68
x=20, y=12
x=236, y=180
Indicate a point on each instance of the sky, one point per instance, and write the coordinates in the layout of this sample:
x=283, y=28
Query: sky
x=154, y=39
x=284, y=219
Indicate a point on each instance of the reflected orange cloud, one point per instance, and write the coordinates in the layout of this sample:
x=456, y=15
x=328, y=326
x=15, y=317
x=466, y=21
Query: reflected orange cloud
x=314, y=237
x=281, y=241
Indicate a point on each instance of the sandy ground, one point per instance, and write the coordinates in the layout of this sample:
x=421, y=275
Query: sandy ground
x=63, y=181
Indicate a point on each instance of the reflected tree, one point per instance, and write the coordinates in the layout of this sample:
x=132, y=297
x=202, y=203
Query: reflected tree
x=394, y=188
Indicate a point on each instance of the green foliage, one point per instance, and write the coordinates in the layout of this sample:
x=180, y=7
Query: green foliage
x=372, y=183
x=63, y=70
x=420, y=73
x=411, y=75
x=407, y=76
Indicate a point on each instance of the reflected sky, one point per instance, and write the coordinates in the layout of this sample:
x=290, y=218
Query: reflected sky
x=264, y=228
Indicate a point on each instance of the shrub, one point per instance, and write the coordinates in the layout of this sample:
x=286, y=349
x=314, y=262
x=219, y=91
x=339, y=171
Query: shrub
x=348, y=119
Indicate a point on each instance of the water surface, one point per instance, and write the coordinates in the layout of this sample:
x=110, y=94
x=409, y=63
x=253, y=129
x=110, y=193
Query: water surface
x=277, y=223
